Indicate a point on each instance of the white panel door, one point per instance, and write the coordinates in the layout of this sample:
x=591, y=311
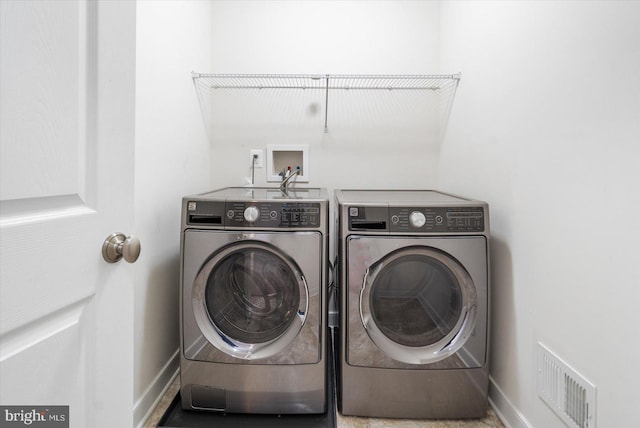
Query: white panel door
x=67, y=80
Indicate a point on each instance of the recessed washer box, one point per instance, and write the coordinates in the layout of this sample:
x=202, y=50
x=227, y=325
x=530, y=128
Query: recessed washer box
x=279, y=157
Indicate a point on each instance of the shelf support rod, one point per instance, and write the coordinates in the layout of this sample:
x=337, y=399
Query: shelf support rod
x=326, y=104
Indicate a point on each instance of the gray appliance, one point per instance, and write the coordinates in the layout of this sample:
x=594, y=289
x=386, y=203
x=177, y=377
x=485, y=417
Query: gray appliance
x=414, y=304
x=254, y=266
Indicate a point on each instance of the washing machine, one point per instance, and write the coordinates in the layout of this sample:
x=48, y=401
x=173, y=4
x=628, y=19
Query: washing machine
x=414, y=304
x=254, y=266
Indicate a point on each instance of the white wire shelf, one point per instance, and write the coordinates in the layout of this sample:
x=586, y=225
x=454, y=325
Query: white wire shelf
x=444, y=86
x=327, y=81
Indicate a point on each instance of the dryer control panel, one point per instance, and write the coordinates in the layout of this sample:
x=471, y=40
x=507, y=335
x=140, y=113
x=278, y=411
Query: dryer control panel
x=436, y=219
x=417, y=219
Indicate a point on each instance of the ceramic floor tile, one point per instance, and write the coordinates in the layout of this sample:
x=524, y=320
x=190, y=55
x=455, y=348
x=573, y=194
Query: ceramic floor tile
x=163, y=405
x=491, y=421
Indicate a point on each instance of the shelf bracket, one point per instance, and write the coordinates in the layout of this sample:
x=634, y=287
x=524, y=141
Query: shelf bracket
x=326, y=105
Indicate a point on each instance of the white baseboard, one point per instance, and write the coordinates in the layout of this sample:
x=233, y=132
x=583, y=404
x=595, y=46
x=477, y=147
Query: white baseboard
x=150, y=398
x=504, y=408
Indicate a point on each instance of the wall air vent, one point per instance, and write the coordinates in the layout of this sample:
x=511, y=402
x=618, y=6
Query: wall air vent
x=569, y=394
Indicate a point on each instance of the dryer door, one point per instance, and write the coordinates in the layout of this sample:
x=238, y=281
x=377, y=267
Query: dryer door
x=250, y=300
x=417, y=303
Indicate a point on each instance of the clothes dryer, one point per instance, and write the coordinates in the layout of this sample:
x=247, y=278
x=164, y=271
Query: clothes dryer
x=414, y=304
x=254, y=265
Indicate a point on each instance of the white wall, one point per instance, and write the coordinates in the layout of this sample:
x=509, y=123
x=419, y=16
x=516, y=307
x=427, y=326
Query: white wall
x=172, y=160
x=320, y=37
x=546, y=127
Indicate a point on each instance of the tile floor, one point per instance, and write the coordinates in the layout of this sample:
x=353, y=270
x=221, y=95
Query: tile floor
x=491, y=421
x=163, y=405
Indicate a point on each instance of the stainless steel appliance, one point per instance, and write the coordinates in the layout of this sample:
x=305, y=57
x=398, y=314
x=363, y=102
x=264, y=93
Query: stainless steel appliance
x=254, y=265
x=414, y=304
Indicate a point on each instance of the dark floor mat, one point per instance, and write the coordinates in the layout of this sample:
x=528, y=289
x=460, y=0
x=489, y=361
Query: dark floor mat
x=175, y=417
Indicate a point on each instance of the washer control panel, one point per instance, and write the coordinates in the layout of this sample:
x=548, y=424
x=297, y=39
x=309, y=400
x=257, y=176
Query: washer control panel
x=253, y=214
x=436, y=219
x=272, y=214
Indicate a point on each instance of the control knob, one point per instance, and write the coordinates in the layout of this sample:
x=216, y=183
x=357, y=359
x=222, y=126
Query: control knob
x=251, y=213
x=417, y=219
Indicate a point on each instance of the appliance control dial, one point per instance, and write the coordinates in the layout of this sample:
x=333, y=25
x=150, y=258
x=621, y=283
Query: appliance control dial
x=417, y=219
x=251, y=213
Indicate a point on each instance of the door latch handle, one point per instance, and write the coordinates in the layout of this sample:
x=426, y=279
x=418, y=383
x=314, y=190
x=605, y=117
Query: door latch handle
x=118, y=246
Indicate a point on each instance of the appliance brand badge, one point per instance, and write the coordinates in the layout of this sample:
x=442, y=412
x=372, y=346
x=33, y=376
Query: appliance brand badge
x=191, y=206
x=353, y=211
x=34, y=416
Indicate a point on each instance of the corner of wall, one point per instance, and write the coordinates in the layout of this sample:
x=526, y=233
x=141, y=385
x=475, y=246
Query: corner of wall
x=148, y=401
x=504, y=408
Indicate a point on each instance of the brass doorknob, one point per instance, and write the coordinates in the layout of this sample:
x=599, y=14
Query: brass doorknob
x=118, y=246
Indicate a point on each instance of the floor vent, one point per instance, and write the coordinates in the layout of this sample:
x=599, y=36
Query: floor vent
x=569, y=394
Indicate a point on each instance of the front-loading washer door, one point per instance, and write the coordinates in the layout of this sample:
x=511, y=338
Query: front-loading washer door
x=252, y=296
x=416, y=302
x=250, y=299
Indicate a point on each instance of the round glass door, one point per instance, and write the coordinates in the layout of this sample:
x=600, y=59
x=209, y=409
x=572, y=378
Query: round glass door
x=250, y=300
x=418, y=305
